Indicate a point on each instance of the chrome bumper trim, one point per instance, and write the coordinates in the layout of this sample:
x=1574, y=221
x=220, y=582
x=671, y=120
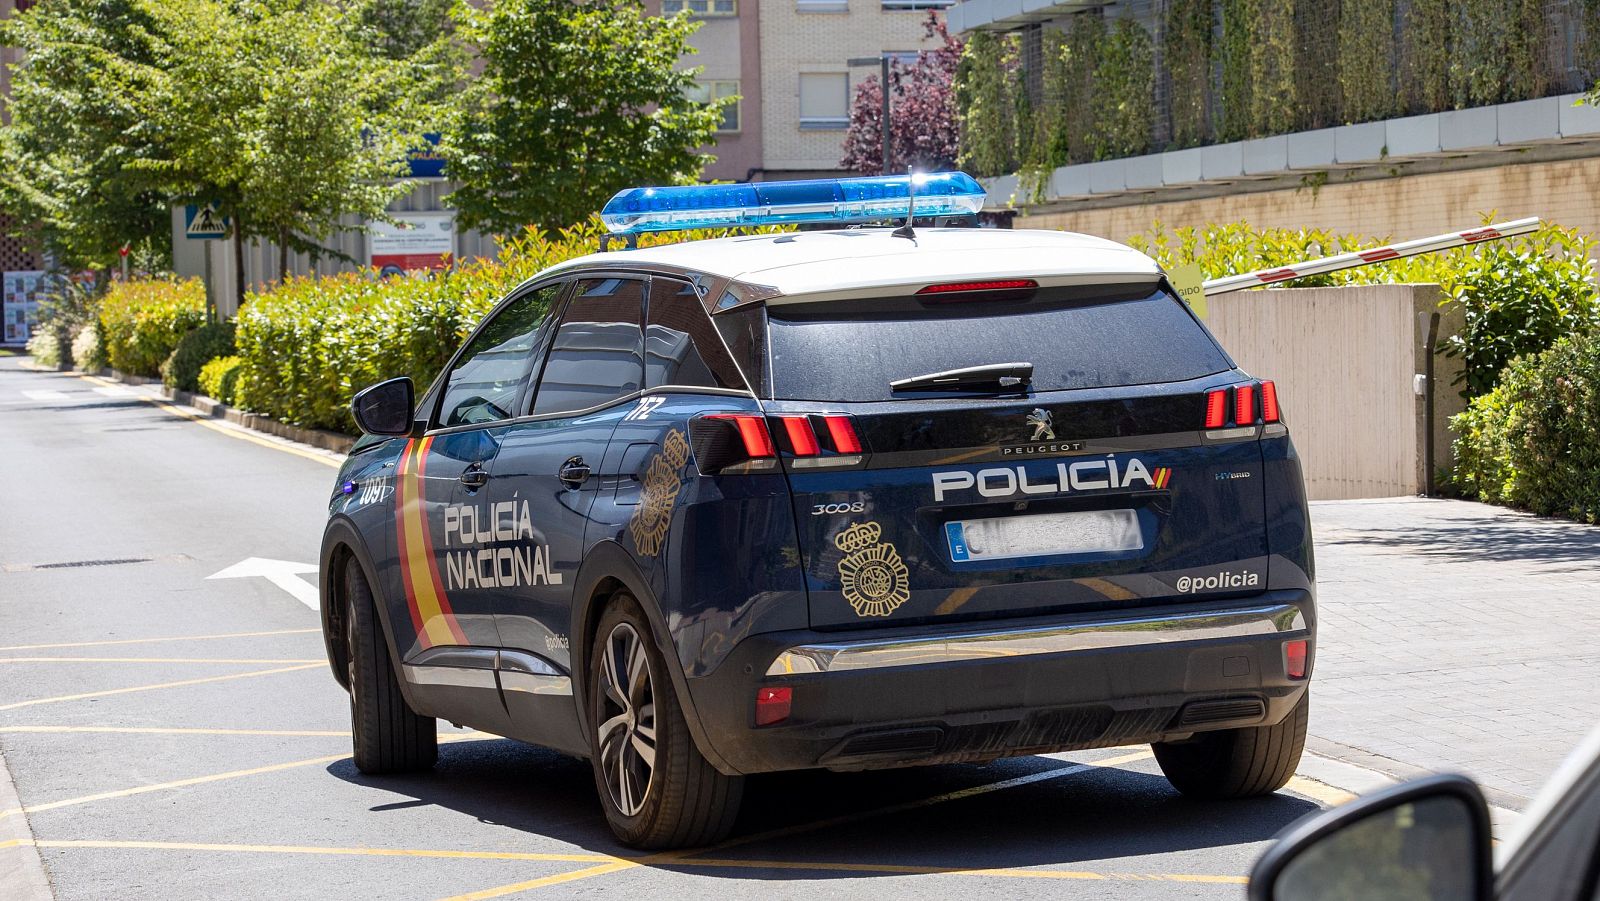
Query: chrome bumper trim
x=1091, y=636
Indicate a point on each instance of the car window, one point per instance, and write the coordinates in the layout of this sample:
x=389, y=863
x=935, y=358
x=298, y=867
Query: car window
x=1097, y=336
x=598, y=351
x=681, y=345
x=484, y=383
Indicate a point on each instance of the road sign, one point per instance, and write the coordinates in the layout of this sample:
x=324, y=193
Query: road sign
x=203, y=223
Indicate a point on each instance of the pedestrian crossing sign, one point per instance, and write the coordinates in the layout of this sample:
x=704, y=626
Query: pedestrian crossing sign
x=203, y=223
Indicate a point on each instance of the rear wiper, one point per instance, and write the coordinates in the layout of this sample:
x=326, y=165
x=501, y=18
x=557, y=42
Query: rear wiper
x=999, y=375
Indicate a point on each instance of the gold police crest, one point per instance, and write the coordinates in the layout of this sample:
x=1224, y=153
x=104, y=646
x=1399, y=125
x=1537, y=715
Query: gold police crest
x=662, y=481
x=871, y=575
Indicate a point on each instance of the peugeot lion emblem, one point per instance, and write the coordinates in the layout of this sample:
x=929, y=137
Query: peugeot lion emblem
x=1043, y=428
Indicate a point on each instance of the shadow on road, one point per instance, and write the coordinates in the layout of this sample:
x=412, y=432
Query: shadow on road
x=1087, y=816
x=1502, y=537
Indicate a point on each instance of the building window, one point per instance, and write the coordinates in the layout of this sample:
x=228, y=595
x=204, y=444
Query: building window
x=824, y=100
x=918, y=4
x=701, y=7
x=822, y=6
x=707, y=91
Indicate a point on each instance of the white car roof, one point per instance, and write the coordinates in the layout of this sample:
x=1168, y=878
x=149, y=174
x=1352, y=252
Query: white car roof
x=814, y=265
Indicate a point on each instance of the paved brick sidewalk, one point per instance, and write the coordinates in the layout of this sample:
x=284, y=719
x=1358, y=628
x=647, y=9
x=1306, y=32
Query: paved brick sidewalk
x=1455, y=636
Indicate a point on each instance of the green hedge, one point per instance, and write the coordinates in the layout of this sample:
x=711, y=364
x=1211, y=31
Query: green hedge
x=195, y=349
x=142, y=321
x=1531, y=442
x=220, y=377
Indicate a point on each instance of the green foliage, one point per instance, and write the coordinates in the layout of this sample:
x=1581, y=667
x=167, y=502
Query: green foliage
x=1233, y=58
x=181, y=370
x=576, y=100
x=1274, y=104
x=401, y=29
x=89, y=348
x=143, y=321
x=1366, y=45
x=1530, y=442
x=1121, y=102
x=986, y=90
x=1494, y=51
x=220, y=377
x=1188, y=58
x=45, y=349
x=1425, y=56
x=1318, y=45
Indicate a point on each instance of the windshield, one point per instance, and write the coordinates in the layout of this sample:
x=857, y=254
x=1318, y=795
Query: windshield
x=1075, y=337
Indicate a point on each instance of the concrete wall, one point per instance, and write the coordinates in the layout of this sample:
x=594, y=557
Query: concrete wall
x=1345, y=361
x=1412, y=206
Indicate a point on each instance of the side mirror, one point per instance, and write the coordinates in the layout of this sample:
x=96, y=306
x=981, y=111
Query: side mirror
x=386, y=408
x=1425, y=840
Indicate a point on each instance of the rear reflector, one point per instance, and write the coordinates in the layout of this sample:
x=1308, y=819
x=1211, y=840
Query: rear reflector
x=1217, y=408
x=1244, y=405
x=1269, y=402
x=1007, y=284
x=802, y=439
x=723, y=440
x=842, y=432
x=1294, y=659
x=772, y=705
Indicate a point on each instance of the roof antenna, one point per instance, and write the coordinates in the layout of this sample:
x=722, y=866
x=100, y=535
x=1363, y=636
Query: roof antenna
x=905, y=230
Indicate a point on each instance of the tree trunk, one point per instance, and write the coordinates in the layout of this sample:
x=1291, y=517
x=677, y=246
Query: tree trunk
x=238, y=263
x=283, y=255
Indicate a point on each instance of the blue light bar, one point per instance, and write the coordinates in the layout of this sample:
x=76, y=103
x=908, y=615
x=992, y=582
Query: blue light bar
x=635, y=210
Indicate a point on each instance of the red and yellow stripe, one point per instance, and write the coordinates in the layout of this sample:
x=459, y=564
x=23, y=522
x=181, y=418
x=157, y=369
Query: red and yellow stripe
x=1163, y=476
x=430, y=609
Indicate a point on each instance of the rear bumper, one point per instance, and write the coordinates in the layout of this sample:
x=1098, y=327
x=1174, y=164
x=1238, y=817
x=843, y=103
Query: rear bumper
x=899, y=697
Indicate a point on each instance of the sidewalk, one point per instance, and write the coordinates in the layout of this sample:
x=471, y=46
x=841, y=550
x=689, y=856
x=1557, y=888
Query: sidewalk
x=1455, y=636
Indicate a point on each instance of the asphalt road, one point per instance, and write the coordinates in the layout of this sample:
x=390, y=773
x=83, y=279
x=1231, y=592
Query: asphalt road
x=176, y=736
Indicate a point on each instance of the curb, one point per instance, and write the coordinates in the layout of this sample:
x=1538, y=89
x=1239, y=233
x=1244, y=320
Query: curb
x=318, y=438
x=22, y=871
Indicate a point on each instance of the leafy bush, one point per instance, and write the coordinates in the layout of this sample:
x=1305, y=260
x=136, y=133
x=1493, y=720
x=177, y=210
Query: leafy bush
x=1519, y=295
x=194, y=350
x=144, y=320
x=220, y=377
x=89, y=348
x=1530, y=442
x=45, y=348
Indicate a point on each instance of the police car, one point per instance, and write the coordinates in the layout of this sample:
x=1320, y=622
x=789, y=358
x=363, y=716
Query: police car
x=854, y=498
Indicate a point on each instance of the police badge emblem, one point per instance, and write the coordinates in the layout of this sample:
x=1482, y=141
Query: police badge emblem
x=872, y=576
x=662, y=481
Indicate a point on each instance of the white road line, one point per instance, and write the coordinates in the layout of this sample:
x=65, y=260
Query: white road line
x=115, y=391
x=282, y=573
x=45, y=395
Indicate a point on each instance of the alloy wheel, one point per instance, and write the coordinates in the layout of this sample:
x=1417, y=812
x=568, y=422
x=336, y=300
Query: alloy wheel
x=627, y=732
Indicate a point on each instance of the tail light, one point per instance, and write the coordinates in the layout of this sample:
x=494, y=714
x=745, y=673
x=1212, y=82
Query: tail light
x=813, y=440
x=1294, y=658
x=1244, y=404
x=1243, y=410
x=1217, y=408
x=1269, y=402
x=723, y=441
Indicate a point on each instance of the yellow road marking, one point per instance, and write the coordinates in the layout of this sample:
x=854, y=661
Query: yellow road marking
x=156, y=660
x=240, y=433
x=309, y=849
x=159, y=685
x=557, y=879
x=1319, y=792
x=201, y=780
x=96, y=644
x=162, y=730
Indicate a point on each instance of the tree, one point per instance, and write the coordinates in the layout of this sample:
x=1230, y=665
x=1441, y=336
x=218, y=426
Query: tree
x=923, y=129
x=577, y=99
x=69, y=157
x=400, y=29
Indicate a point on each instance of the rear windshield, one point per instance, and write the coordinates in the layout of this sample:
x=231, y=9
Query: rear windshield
x=1075, y=337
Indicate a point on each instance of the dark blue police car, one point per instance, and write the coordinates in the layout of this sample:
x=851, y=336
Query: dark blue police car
x=851, y=499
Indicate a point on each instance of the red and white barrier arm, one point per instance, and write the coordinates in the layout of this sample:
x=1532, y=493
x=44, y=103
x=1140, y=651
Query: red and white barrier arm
x=1498, y=230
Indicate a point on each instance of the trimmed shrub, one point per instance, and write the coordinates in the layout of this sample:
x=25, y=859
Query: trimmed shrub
x=143, y=321
x=1530, y=442
x=194, y=350
x=45, y=349
x=89, y=348
x=220, y=377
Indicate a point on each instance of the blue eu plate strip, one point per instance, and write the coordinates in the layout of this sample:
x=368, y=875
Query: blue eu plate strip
x=958, y=542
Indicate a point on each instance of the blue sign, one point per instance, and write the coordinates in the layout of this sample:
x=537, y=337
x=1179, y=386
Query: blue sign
x=425, y=162
x=203, y=223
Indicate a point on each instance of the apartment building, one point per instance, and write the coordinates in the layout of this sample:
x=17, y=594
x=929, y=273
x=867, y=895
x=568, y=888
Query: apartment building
x=789, y=63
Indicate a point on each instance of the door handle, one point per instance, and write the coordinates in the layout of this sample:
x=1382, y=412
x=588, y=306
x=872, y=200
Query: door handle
x=474, y=477
x=574, y=472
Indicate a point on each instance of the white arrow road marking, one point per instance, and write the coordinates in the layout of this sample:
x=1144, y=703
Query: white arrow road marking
x=281, y=573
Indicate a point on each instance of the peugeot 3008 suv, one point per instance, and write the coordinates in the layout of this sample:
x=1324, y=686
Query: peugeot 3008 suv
x=844, y=499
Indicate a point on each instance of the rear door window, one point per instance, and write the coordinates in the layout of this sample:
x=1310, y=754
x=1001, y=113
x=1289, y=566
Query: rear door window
x=1076, y=337
x=597, y=354
x=682, y=348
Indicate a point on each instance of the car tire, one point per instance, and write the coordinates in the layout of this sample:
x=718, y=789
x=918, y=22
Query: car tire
x=1237, y=763
x=387, y=735
x=684, y=801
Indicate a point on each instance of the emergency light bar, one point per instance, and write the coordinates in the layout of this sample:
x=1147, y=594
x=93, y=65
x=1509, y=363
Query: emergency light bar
x=1215, y=286
x=841, y=200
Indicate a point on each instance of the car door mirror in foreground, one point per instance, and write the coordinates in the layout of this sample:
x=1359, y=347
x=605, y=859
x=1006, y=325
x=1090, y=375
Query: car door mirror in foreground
x=385, y=408
x=1426, y=840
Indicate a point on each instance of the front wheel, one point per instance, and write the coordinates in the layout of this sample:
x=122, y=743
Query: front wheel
x=1237, y=763
x=657, y=789
x=388, y=736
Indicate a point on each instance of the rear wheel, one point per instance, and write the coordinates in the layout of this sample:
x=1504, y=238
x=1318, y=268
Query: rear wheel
x=388, y=736
x=657, y=789
x=1237, y=763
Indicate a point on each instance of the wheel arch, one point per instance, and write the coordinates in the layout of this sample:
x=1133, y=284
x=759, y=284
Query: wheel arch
x=342, y=546
x=607, y=569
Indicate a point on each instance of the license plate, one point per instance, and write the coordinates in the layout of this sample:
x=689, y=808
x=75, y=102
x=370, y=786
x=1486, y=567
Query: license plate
x=1044, y=535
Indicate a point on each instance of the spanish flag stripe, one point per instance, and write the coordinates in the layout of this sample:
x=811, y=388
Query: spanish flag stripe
x=447, y=615
x=415, y=553
x=402, y=492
